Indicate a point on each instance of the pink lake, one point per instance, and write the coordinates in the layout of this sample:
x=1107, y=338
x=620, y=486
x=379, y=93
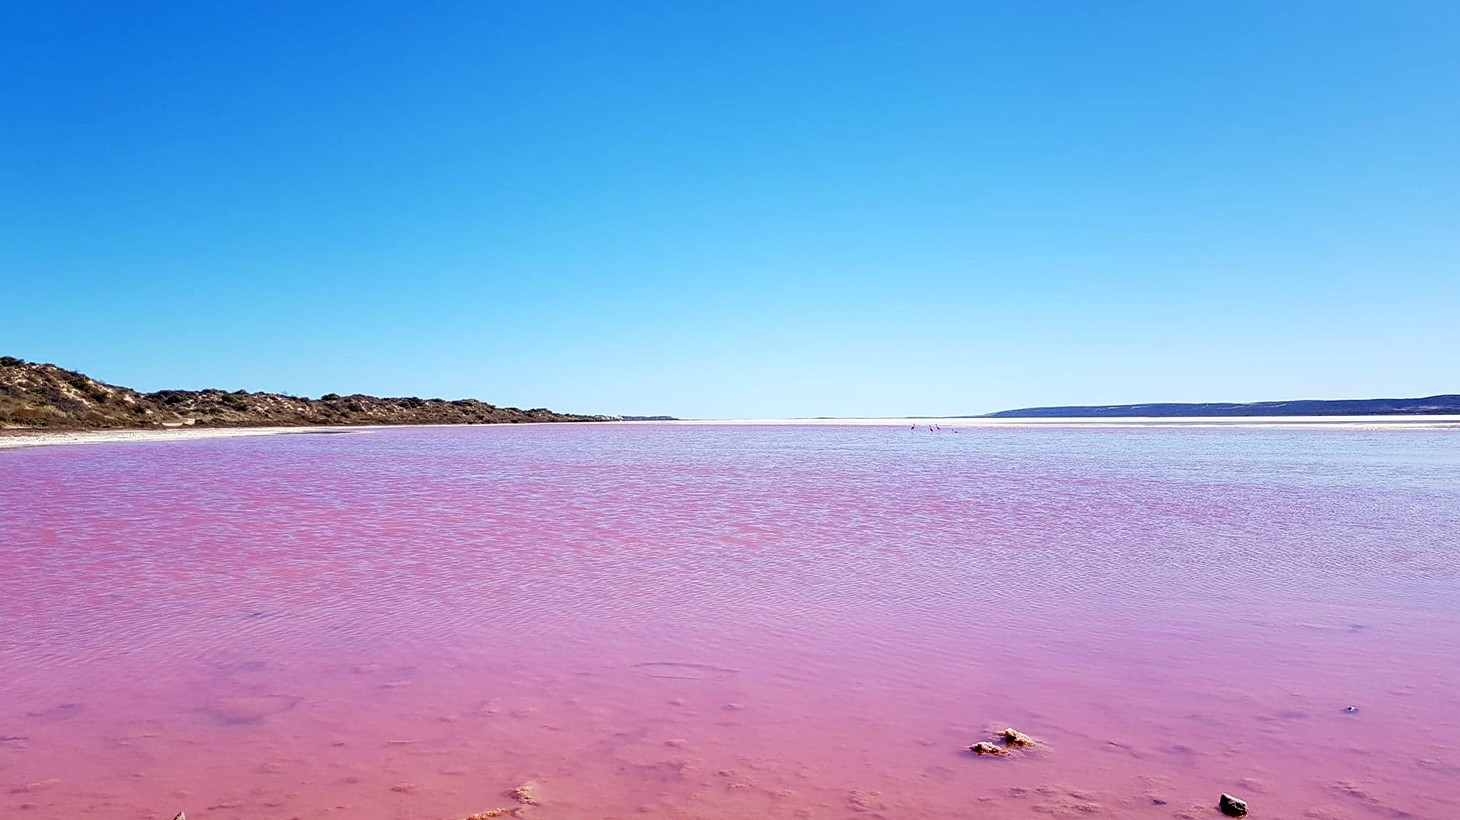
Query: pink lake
x=733, y=622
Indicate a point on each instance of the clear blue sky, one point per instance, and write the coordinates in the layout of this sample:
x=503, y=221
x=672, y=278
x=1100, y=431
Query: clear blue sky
x=737, y=209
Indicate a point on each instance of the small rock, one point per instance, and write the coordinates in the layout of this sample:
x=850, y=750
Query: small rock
x=983, y=747
x=1232, y=806
x=1016, y=738
x=1352, y=709
x=525, y=794
x=182, y=815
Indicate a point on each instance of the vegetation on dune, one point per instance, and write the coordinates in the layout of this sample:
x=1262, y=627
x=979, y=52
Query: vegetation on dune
x=34, y=395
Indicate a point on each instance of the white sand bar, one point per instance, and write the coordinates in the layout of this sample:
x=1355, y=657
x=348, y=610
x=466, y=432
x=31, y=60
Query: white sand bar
x=13, y=438
x=30, y=438
x=950, y=423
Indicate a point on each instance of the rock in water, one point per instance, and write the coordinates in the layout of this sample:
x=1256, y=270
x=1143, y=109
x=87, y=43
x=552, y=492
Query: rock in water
x=1232, y=806
x=983, y=747
x=526, y=794
x=1014, y=737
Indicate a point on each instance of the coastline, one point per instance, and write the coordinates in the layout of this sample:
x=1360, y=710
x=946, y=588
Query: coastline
x=1393, y=422
x=16, y=438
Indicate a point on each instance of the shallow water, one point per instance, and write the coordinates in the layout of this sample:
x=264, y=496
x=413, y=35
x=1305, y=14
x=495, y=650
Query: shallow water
x=703, y=621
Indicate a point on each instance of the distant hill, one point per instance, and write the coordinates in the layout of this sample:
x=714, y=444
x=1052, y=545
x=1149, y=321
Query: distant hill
x=46, y=396
x=1433, y=405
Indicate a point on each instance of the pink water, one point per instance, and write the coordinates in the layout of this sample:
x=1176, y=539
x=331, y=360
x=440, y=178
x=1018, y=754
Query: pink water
x=732, y=622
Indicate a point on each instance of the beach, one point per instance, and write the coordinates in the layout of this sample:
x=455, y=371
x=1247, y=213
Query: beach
x=39, y=438
x=1391, y=422
x=15, y=438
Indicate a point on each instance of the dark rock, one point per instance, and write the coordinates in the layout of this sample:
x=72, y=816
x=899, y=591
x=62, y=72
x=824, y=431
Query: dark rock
x=526, y=794
x=1014, y=737
x=1232, y=806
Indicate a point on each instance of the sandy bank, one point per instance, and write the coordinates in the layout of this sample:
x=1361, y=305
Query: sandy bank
x=32, y=438
x=1295, y=422
x=17, y=437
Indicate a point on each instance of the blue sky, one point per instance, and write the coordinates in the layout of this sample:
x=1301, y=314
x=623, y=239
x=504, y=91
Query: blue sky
x=737, y=209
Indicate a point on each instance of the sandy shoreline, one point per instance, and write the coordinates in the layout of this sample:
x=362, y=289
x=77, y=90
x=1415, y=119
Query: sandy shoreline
x=1305, y=422
x=12, y=439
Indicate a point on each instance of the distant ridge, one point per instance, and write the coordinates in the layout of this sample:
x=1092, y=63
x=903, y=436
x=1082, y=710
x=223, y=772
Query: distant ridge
x=1433, y=405
x=45, y=396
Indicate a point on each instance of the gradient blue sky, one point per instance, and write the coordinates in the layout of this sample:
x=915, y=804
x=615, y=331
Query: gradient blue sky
x=737, y=209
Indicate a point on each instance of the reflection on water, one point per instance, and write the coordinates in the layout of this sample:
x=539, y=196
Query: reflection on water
x=732, y=622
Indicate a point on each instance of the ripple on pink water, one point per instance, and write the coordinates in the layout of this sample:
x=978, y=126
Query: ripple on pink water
x=732, y=622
